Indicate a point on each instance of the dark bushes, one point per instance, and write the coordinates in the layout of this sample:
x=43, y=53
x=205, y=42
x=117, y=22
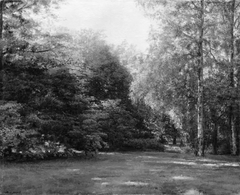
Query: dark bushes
x=45, y=151
x=143, y=145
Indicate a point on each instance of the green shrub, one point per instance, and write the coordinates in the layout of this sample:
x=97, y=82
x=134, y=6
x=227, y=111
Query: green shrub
x=93, y=143
x=46, y=150
x=143, y=144
x=187, y=150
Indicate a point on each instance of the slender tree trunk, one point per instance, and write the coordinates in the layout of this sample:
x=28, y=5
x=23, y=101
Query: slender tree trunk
x=174, y=140
x=1, y=50
x=190, y=139
x=215, y=138
x=238, y=128
x=1, y=34
x=237, y=81
x=233, y=80
x=238, y=109
x=200, y=113
x=237, y=113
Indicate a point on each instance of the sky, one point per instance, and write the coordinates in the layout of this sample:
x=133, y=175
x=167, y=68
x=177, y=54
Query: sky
x=118, y=19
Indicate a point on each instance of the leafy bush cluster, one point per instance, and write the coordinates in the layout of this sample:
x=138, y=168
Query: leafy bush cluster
x=143, y=144
x=81, y=102
x=93, y=143
x=108, y=124
x=47, y=150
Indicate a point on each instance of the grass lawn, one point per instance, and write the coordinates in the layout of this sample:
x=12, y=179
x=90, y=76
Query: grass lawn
x=125, y=173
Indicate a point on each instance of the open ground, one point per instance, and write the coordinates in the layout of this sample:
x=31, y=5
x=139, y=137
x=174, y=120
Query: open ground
x=125, y=173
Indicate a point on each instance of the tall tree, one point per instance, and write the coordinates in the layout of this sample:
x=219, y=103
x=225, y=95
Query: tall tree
x=200, y=112
x=197, y=42
x=1, y=35
x=233, y=80
x=17, y=28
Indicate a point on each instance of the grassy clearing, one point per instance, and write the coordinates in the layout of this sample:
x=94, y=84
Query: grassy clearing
x=125, y=173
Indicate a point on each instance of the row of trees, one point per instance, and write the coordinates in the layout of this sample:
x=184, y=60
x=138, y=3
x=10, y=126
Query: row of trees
x=63, y=90
x=194, y=70
x=71, y=89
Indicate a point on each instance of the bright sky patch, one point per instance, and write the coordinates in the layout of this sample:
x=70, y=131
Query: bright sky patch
x=119, y=19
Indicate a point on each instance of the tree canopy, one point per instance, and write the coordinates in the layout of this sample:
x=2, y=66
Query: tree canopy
x=68, y=90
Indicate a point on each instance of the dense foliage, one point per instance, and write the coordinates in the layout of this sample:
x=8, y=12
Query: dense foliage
x=64, y=91
x=61, y=93
x=194, y=70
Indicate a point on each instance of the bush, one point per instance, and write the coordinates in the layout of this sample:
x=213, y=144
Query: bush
x=47, y=150
x=143, y=145
x=187, y=150
x=93, y=143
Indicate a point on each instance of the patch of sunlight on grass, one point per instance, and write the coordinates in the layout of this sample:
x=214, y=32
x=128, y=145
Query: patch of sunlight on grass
x=134, y=183
x=193, y=192
x=222, y=165
x=155, y=170
x=105, y=183
x=181, y=177
x=156, y=161
x=207, y=160
x=183, y=163
x=211, y=165
x=148, y=157
x=107, y=153
x=230, y=164
x=205, y=164
x=187, y=162
x=171, y=162
x=73, y=170
x=97, y=179
x=127, y=183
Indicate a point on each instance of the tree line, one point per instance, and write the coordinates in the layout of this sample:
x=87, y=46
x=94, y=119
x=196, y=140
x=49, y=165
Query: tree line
x=194, y=70
x=63, y=91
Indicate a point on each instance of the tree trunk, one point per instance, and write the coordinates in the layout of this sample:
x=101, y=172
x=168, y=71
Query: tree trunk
x=237, y=115
x=237, y=130
x=189, y=139
x=174, y=140
x=200, y=114
x=233, y=81
x=1, y=51
x=238, y=110
x=215, y=139
x=1, y=35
